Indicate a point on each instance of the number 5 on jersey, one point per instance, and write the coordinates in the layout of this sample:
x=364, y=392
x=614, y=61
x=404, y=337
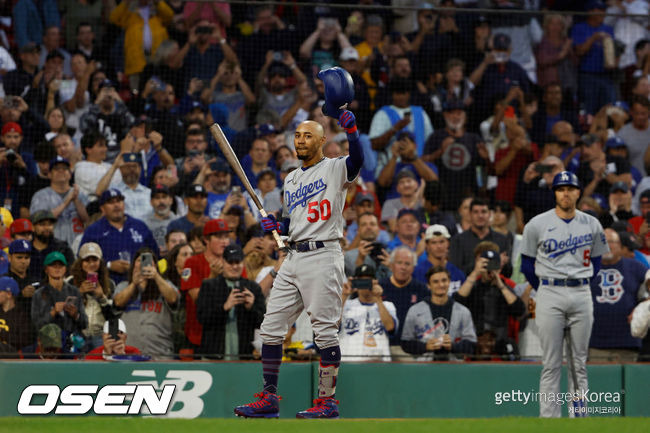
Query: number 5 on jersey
x=586, y=258
x=316, y=210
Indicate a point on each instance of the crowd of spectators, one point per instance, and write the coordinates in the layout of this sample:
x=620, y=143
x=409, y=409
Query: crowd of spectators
x=120, y=213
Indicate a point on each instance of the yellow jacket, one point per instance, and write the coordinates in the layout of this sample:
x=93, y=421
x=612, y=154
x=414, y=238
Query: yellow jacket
x=133, y=25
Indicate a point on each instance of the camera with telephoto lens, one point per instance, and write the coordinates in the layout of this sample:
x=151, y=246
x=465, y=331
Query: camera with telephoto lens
x=205, y=30
x=361, y=283
x=10, y=154
x=377, y=250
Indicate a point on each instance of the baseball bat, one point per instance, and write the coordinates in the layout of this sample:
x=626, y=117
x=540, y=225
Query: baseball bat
x=225, y=147
x=579, y=404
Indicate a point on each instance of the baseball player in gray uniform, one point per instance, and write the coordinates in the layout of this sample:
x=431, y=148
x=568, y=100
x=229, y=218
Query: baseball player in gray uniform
x=312, y=275
x=561, y=252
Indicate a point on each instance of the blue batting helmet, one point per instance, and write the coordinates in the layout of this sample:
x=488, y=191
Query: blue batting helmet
x=339, y=90
x=565, y=178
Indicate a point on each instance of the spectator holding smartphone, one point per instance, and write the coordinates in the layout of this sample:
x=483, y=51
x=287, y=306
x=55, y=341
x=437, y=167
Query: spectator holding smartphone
x=148, y=300
x=367, y=319
x=112, y=344
x=58, y=302
x=90, y=274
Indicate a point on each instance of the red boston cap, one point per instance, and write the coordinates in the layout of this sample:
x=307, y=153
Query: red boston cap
x=215, y=226
x=12, y=127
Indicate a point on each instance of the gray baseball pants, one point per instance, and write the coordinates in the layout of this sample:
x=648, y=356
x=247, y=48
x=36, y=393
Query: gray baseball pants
x=557, y=308
x=312, y=280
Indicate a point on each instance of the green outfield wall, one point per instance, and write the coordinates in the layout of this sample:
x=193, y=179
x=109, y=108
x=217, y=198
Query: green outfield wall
x=451, y=390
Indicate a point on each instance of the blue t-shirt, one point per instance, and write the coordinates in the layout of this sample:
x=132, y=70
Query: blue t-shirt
x=593, y=61
x=457, y=276
x=397, y=242
x=134, y=235
x=614, y=292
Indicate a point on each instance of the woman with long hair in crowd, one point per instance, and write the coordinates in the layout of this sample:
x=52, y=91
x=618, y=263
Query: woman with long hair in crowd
x=90, y=274
x=147, y=299
x=175, y=264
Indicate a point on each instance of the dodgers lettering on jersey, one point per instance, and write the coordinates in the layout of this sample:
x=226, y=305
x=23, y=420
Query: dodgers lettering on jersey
x=563, y=250
x=314, y=199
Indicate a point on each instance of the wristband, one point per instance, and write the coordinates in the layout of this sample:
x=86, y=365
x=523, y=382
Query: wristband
x=108, y=265
x=351, y=130
x=273, y=273
x=222, y=41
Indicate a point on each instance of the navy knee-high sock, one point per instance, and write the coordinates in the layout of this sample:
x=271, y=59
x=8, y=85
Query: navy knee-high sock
x=271, y=360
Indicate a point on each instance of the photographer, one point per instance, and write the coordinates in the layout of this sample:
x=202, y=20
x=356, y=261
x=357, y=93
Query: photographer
x=406, y=151
x=230, y=308
x=109, y=116
x=438, y=326
x=366, y=320
x=370, y=251
x=489, y=297
x=147, y=300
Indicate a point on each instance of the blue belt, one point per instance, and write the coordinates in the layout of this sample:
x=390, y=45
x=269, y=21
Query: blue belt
x=303, y=247
x=571, y=282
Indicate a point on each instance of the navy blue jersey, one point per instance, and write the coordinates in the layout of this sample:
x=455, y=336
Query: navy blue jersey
x=457, y=276
x=614, y=292
x=134, y=235
x=403, y=298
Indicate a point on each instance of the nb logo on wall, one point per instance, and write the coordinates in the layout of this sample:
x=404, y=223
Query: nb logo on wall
x=178, y=395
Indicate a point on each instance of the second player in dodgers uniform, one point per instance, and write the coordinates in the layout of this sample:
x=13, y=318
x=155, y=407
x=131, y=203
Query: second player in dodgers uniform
x=312, y=275
x=561, y=252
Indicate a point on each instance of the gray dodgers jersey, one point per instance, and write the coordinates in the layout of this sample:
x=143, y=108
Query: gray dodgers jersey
x=563, y=250
x=314, y=200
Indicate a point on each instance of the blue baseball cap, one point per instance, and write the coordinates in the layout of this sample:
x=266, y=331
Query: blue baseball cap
x=20, y=246
x=622, y=105
x=8, y=284
x=501, y=42
x=406, y=134
x=132, y=157
x=59, y=160
x=407, y=211
x=110, y=194
x=614, y=142
x=266, y=129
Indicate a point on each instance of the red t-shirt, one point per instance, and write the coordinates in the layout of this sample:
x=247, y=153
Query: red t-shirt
x=507, y=185
x=97, y=354
x=196, y=270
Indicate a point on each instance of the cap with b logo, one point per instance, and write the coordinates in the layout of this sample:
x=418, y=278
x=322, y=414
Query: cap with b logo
x=215, y=226
x=21, y=225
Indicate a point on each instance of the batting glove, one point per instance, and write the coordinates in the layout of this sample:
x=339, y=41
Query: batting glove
x=348, y=122
x=270, y=224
